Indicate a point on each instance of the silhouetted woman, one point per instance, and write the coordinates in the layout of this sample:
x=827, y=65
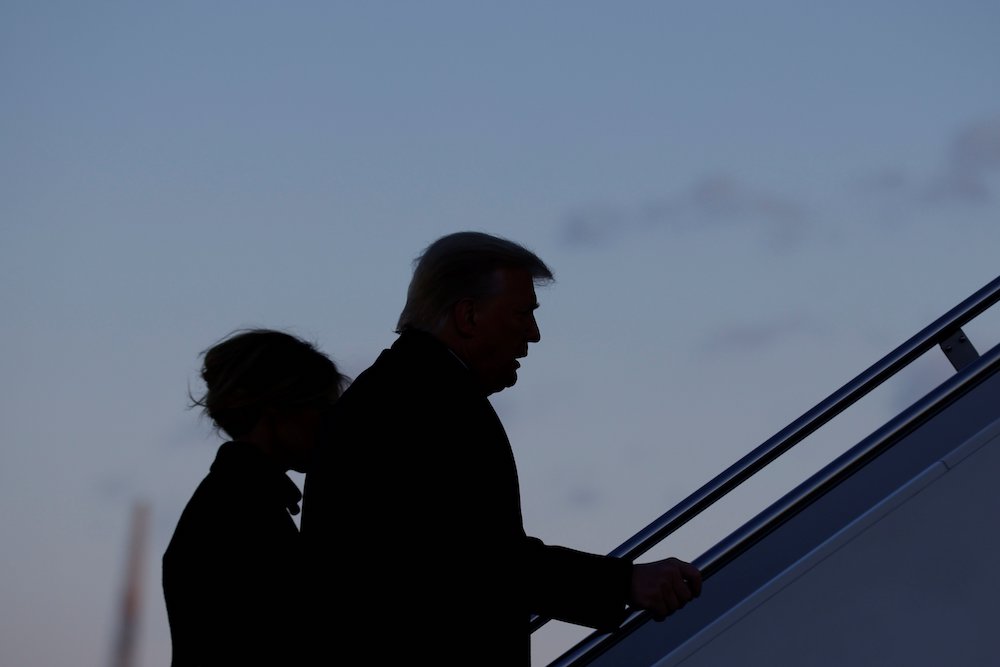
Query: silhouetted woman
x=230, y=572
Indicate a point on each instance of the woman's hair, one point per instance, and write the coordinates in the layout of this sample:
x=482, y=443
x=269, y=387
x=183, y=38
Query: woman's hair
x=457, y=266
x=252, y=370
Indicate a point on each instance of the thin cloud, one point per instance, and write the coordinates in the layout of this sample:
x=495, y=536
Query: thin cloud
x=713, y=202
x=583, y=496
x=889, y=182
x=720, y=201
x=973, y=158
x=963, y=176
x=746, y=337
x=595, y=225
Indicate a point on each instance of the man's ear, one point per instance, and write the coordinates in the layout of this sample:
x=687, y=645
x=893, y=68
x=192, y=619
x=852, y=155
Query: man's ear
x=464, y=312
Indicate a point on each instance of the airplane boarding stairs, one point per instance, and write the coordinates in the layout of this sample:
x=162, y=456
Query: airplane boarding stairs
x=889, y=555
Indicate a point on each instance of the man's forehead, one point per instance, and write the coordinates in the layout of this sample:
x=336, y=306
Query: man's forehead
x=516, y=281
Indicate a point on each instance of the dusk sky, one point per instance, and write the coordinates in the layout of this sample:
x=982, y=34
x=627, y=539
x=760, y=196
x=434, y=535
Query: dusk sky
x=745, y=205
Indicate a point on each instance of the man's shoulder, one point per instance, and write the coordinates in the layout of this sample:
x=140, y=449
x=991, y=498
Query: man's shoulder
x=385, y=374
x=386, y=385
x=416, y=362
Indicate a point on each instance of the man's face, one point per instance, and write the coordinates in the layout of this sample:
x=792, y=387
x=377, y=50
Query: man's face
x=504, y=325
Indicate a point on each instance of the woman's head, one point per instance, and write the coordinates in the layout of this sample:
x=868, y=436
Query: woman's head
x=263, y=383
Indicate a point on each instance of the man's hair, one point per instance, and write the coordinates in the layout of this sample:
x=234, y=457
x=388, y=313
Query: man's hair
x=458, y=266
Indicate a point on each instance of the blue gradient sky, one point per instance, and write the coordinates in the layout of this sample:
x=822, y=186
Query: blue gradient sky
x=745, y=205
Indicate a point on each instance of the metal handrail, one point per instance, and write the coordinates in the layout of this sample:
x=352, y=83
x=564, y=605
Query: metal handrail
x=938, y=331
x=781, y=511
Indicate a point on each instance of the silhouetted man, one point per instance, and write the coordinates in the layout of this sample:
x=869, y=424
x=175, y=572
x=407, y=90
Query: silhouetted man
x=412, y=513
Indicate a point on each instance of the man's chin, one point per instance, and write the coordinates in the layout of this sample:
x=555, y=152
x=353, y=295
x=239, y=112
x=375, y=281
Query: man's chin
x=501, y=385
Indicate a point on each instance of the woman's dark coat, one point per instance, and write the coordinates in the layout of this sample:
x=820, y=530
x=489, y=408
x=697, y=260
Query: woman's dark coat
x=232, y=570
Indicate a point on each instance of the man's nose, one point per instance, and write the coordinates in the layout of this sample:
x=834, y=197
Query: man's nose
x=534, y=334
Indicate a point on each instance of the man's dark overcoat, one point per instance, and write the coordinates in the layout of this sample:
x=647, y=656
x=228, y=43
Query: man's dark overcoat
x=412, y=520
